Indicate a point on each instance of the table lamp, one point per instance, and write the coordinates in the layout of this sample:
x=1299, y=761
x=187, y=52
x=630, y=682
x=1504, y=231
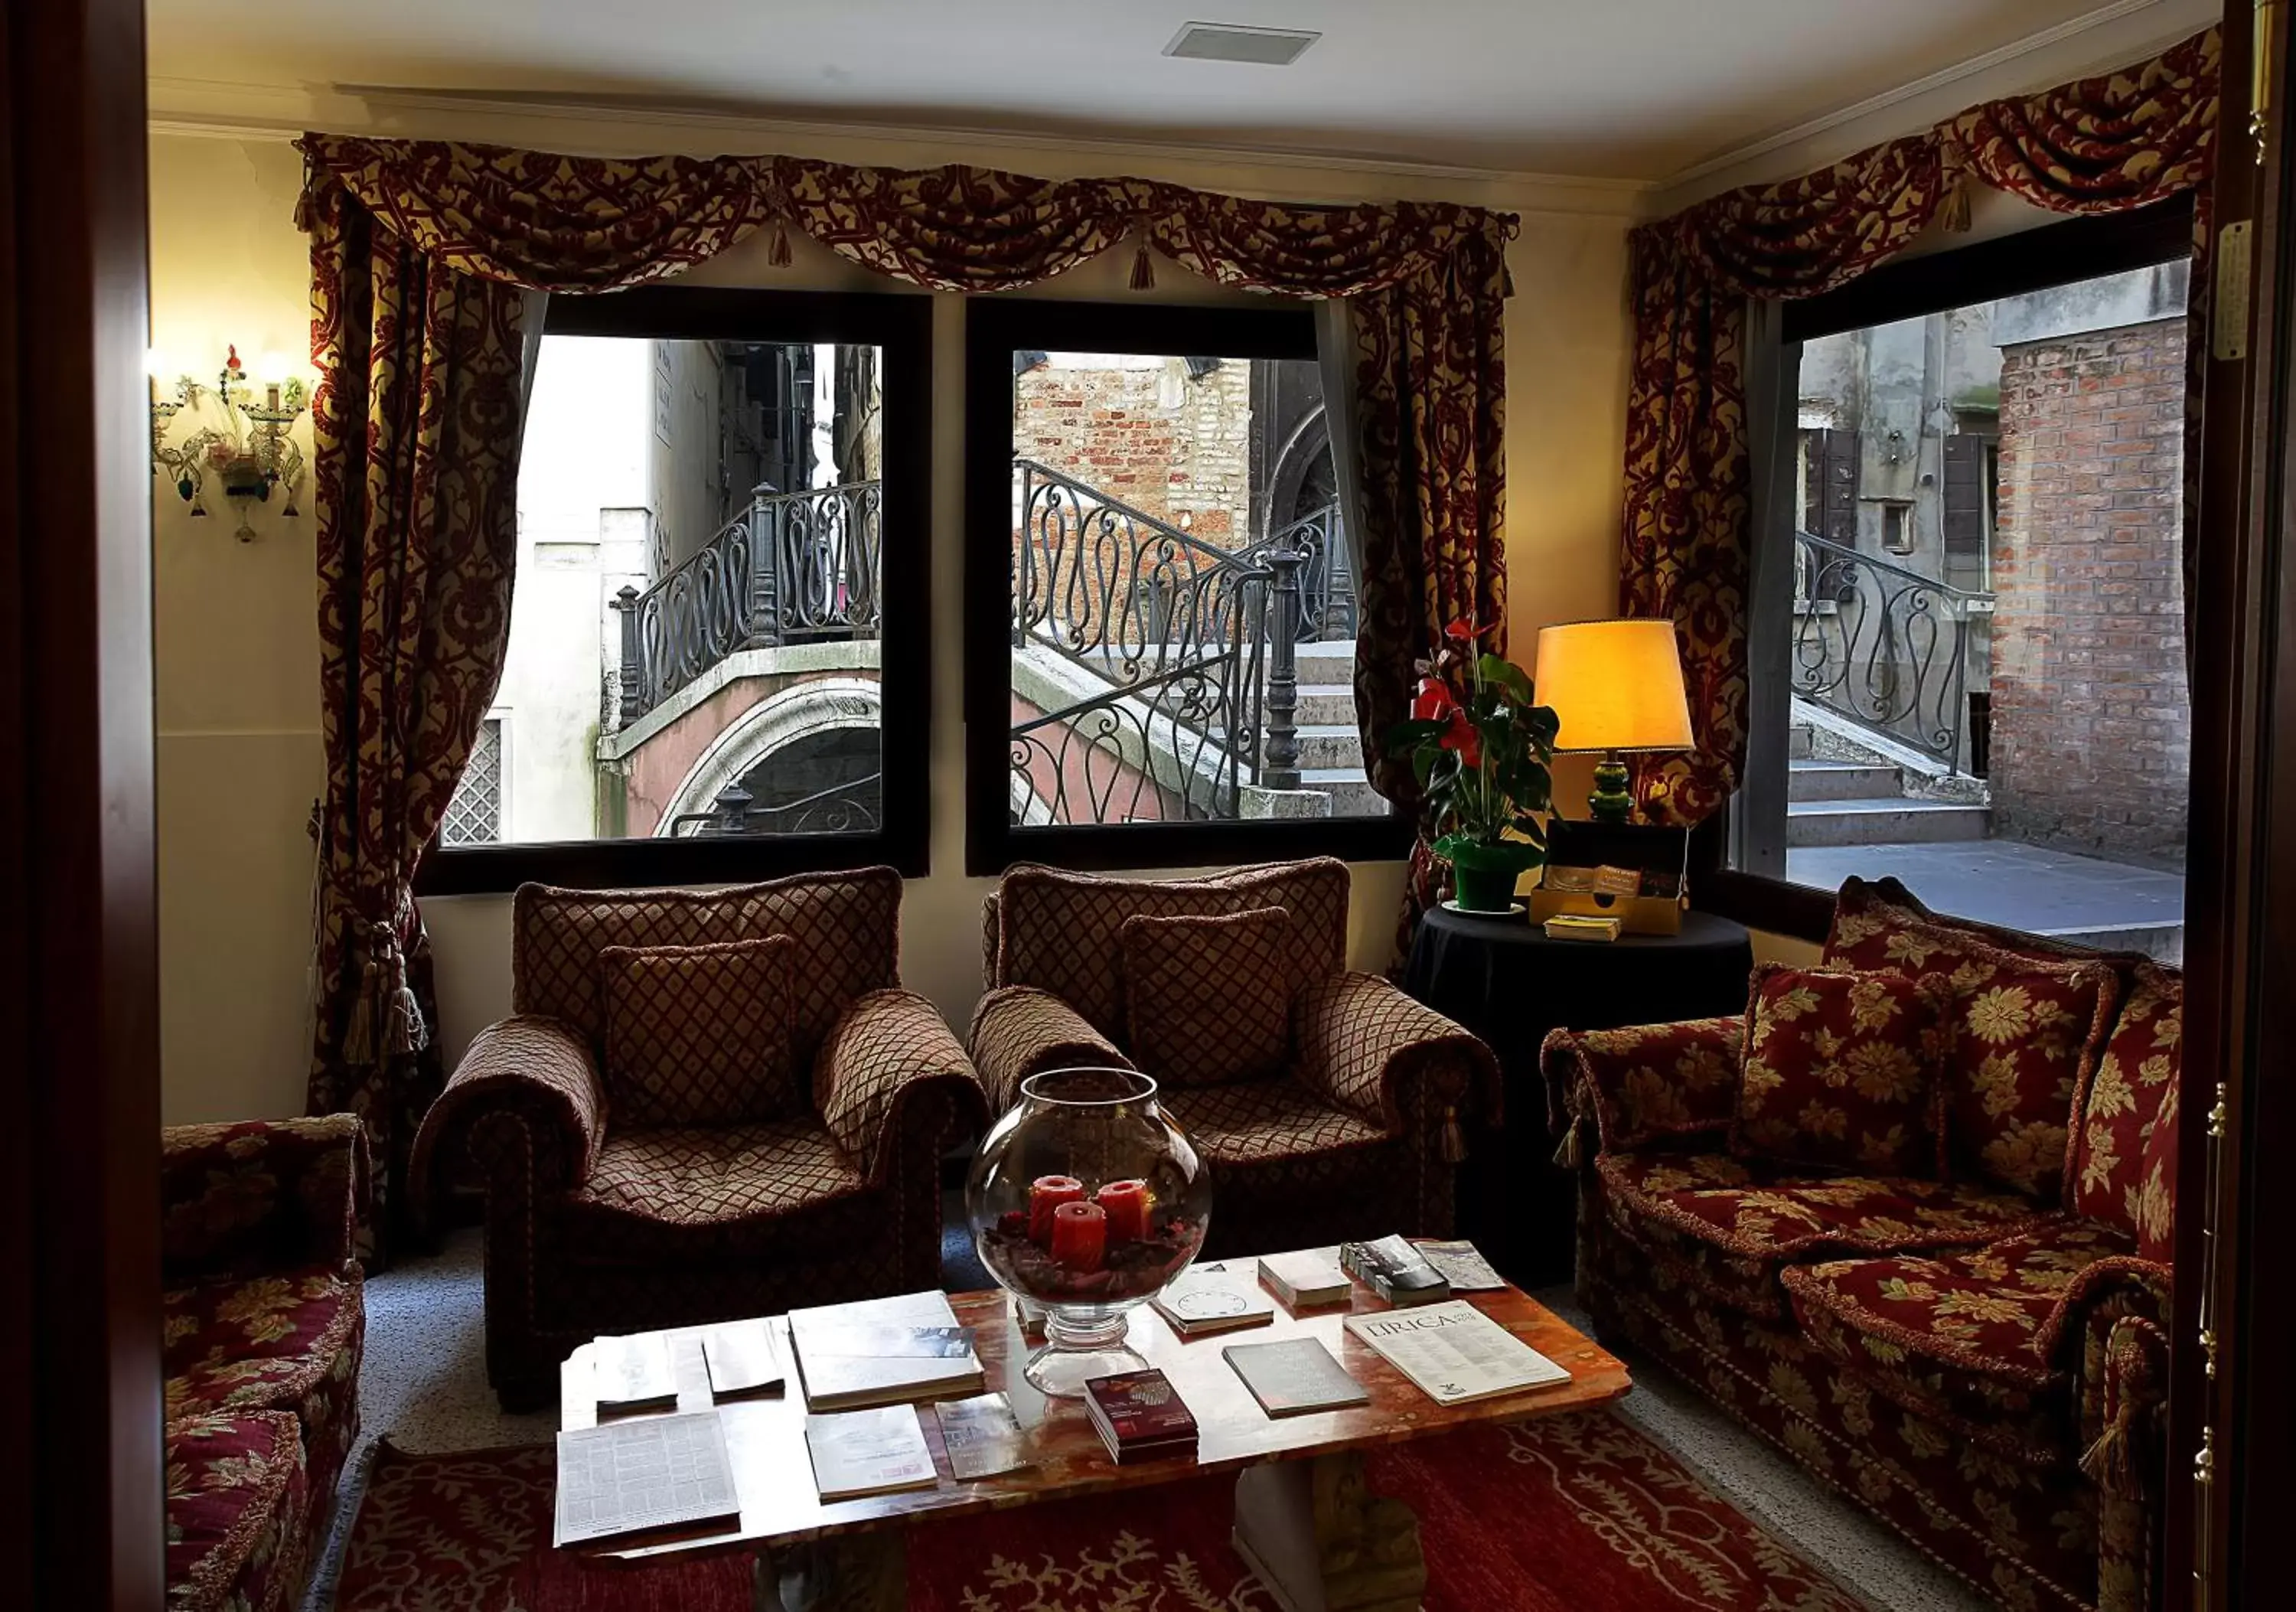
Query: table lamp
x=1616, y=687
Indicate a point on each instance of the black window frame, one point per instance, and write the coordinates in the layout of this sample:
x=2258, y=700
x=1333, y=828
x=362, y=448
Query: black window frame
x=899, y=326
x=2010, y=265
x=996, y=328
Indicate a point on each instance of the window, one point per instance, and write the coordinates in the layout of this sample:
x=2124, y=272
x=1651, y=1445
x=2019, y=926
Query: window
x=1980, y=672
x=1163, y=605
x=717, y=645
x=474, y=816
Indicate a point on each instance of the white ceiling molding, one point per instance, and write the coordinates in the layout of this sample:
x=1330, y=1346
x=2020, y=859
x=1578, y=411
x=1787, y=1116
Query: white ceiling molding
x=2113, y=35
x=570, y=124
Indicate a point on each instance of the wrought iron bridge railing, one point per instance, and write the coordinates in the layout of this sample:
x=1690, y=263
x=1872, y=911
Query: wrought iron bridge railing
x=793, y=567
x=1191, y=688
x=1884, y=647
x=851, y=806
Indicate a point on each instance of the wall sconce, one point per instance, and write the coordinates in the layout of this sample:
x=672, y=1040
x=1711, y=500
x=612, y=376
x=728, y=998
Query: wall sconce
x=249, y=452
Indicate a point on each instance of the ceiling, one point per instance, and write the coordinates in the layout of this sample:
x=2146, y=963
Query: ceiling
x=1614, y=89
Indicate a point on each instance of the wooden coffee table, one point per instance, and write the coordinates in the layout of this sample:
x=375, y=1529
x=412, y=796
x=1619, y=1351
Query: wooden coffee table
x=1306, y=1521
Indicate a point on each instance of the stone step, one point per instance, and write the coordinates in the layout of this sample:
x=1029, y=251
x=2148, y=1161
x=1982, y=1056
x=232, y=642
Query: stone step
x=1331, y=746
x=1885, y=820
x=1798, y=743
x=1809, y=780
x=1327, y=707
x=1352, y=795
x=1327, y=665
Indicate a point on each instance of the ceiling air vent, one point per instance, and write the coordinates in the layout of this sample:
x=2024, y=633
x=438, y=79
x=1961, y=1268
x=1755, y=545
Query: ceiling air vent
x=1233, y=42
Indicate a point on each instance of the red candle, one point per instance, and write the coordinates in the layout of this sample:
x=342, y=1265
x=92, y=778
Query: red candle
x=1079, y=1237
x=1126, y=1205
x=1047, y=1194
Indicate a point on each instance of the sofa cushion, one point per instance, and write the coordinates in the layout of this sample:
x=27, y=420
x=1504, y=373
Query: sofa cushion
x=1730, y=1225
x=1060, y=931
x=699, y=1035
x=237, y=1498
x=2029, y=1023
x=683, y=1194
x=2124, y=1164
x=1841, y=1071
x=1970, y=1336
x=847, y=926
x=1255, y=1121
x=292, y=1342
x=1207, y=999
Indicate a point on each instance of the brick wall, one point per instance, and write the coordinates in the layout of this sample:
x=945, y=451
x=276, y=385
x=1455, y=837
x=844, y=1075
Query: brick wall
x=2092, y=716
x=1179, y=449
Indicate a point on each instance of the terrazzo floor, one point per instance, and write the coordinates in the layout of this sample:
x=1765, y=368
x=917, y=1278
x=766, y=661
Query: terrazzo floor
x=424, y=1385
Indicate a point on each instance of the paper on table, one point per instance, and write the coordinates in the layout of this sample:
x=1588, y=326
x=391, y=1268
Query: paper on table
x=1462, y=1265
x=863, y=1453
x=1455, y=1352
x=742, y=1358
x=982, y=1436
x=659, y=1472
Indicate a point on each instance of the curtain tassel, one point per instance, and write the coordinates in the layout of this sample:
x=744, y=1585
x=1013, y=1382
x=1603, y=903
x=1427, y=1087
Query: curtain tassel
x=1143, y=271
x=778, y=254
x=2110, y=1462
x=1455, y=1137
x=385, y=1020
x=1954, y=212
x=1570, y=1155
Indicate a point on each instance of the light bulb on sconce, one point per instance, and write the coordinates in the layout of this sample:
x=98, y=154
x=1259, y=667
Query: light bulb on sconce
x=250, y=451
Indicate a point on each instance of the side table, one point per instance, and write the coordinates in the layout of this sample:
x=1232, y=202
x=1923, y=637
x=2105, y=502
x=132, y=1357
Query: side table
x=1504, y=979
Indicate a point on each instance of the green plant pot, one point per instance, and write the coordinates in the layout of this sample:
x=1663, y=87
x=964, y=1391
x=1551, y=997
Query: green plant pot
x=1485, y=874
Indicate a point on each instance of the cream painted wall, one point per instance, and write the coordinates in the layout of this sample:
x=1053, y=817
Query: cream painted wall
x=239, y=743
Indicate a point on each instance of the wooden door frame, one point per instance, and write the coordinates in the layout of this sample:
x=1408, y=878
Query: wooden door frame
x=80, y=1483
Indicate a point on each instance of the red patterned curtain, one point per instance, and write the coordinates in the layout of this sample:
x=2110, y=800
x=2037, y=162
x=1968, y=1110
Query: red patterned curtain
x=419, y=251
x=2120, y=141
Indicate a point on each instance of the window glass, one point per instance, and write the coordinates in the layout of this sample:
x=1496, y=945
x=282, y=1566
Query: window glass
x=1988, y=653
x=693, y=646
x=1182, y=603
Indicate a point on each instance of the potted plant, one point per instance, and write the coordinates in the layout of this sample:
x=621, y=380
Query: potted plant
x=1479, y=747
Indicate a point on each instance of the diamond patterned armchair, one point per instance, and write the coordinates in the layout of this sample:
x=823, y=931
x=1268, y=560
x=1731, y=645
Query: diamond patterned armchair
x=604, y=1213
x=1353, y=1130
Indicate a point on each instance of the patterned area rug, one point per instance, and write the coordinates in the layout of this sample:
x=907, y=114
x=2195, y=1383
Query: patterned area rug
x=1564, y=1514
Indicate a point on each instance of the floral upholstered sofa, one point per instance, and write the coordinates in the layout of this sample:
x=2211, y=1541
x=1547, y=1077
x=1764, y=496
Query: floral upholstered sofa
x=1974, y=1350
x=263, y=1326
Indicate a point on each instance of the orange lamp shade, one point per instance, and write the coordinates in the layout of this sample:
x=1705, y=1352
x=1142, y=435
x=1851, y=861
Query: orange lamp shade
x=1616, y=686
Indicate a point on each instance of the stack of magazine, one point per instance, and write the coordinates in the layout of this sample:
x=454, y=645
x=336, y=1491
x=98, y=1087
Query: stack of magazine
x=883, y=1352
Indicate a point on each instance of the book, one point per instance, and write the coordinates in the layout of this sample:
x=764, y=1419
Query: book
x=1462, y=1265
x=741, y=1358
x=883, y=1351
x=862, y=1452
x=1455, y=1352
x=1213, y=1298
x=1308, y=1280
x=1395, y=1270
x=982, y=1436
x=1292, y=1376
x=1139, y=1415
x=1029, y=1315
x=634, y=1374
x=1572, y=926
x=659, y=1472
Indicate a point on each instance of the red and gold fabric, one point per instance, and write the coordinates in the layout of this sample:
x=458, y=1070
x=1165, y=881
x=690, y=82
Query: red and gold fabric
x=2124, y=1162
x=1841, y=1072
x=1208, y=998
x=891, y=1081
x=1018, y=1031
x=1646, y=1082
x=2119, y=141
x=699, y=1035
x=1363, y=1045
x=257, y=1195
x=237, y=1500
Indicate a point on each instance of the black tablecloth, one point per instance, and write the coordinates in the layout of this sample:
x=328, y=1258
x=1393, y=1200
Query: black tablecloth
x=1505, y=981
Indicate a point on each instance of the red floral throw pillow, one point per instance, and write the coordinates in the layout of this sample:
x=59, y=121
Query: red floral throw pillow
x=699, y=1035
x=1841, y=1071
x=1208, y=1000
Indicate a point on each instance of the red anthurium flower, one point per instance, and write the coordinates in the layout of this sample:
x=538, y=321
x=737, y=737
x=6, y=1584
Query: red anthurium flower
x=1431, y=701
x=1464, y=630
x=1463, y=736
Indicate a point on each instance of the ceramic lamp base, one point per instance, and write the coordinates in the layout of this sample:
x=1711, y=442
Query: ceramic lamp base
x=1079, y=1348
x=1613, y=799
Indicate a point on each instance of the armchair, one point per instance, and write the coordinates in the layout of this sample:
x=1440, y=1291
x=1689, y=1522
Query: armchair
x=1358, y=1134
x=595, y=1223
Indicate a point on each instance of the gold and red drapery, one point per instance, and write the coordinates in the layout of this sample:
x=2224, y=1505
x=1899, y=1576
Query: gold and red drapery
x=2119, y=141
x=421, y=252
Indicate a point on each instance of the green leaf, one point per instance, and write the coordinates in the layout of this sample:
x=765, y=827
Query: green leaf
x=1508, y=676
x=1405, y=734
